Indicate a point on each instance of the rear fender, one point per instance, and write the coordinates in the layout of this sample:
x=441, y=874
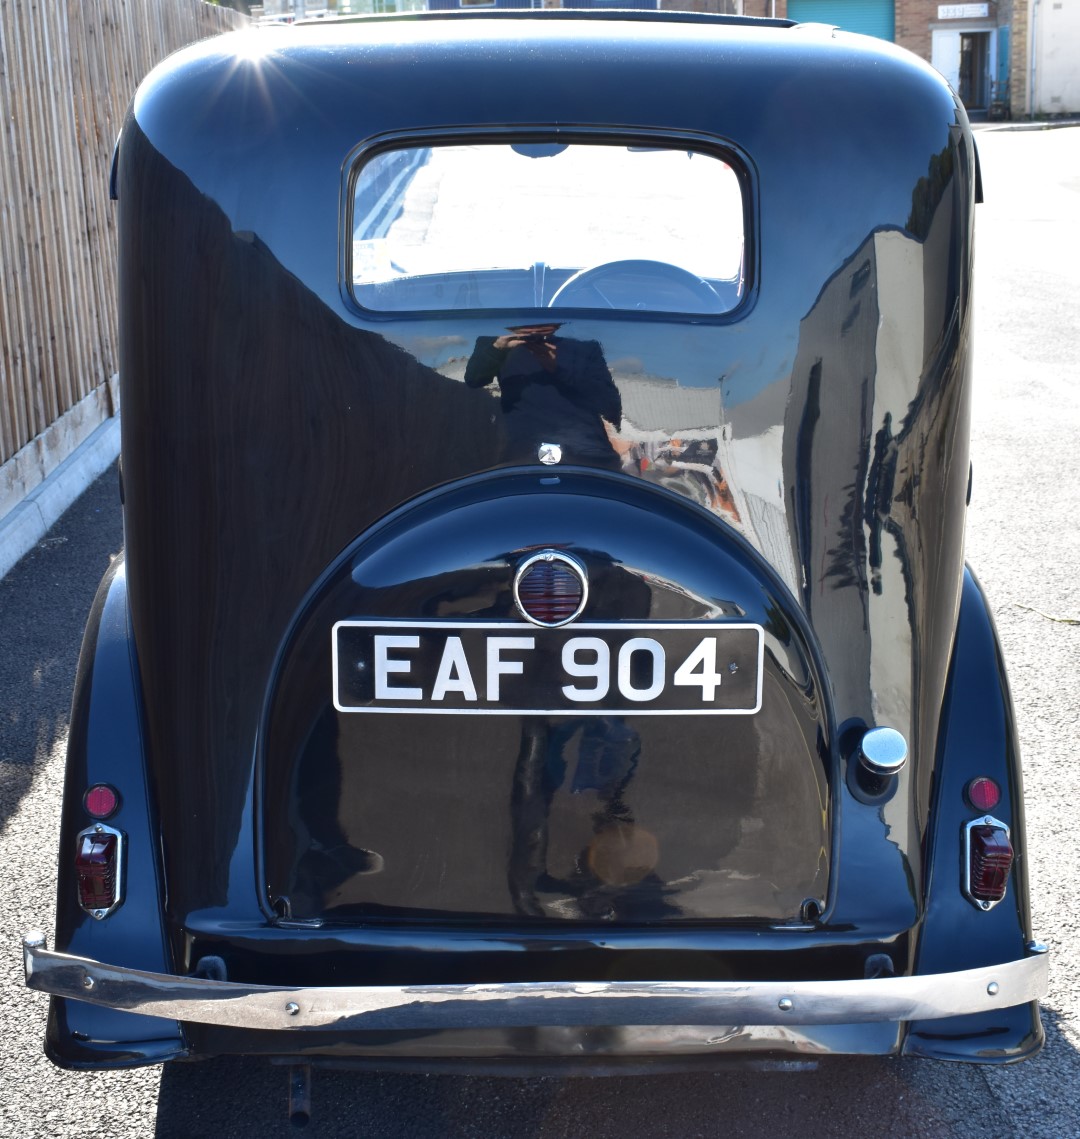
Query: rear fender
x=979, y=738
x=105, y=745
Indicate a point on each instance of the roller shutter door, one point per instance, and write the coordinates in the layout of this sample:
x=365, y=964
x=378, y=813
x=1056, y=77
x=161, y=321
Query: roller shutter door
x=869, y=17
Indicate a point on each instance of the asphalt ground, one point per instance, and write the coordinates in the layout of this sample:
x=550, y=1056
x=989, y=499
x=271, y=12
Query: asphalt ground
x=1024, y=543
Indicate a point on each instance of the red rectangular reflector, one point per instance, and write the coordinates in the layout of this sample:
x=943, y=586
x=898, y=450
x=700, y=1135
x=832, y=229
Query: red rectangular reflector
x=991, y=861
x=95, y=868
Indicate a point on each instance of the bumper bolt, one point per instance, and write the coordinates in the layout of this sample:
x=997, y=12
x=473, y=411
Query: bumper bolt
x=292, y=1008
x=992, y=988
x=786, y=1004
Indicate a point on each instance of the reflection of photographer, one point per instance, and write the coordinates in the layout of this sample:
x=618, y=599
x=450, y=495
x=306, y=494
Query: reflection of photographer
x=553, y=389
x=537, y=340
x=616, y=868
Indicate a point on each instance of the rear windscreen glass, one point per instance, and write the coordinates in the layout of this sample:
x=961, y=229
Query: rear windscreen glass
x=545, y=224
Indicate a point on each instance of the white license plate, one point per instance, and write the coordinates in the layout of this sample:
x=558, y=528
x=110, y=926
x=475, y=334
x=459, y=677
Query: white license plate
x=509, y=668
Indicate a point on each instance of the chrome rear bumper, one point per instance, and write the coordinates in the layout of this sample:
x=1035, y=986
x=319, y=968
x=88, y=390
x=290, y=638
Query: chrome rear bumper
x=529, y=1005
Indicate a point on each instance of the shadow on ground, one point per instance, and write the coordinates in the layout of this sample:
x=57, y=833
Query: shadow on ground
x=845, y=1096
x=44, y=603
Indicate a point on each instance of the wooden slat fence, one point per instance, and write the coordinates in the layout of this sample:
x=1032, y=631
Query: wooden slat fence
x=68, y=69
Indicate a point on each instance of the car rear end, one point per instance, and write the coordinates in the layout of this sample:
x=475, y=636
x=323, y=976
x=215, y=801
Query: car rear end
x=607, y=703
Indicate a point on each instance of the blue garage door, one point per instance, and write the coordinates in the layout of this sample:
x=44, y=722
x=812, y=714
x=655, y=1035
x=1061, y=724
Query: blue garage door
x=870, y=17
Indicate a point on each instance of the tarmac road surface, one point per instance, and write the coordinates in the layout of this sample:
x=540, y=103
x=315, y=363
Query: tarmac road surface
x=1023, y=540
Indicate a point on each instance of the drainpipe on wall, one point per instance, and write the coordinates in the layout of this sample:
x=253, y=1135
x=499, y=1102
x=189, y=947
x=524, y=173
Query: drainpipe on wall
x=1032, y=48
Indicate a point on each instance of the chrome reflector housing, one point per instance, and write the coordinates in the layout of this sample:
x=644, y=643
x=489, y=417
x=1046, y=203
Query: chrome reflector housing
x=550, y=588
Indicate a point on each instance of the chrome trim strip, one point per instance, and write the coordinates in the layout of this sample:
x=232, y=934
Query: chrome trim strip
x=529, y=1005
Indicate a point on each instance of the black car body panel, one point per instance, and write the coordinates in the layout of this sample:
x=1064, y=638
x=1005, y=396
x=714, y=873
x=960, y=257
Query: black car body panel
x=792, y=462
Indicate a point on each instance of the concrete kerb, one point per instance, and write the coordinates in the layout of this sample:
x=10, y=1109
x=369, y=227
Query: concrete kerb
x=1027, y=125
x=23, y=527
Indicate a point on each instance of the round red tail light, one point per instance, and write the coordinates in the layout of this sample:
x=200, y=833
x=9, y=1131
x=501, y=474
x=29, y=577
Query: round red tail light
x=550, y=588
x=983, y=793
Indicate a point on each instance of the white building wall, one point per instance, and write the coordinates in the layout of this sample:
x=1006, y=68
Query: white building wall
x=1054, y=32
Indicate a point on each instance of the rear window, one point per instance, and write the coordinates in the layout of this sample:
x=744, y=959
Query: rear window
x=546, y=224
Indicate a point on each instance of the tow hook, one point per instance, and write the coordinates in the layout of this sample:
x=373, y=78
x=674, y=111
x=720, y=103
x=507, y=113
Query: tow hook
x=300, y=1095
x=879, y=965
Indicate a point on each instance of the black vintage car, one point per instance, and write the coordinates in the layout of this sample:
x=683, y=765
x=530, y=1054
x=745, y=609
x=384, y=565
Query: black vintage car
x=544, y=637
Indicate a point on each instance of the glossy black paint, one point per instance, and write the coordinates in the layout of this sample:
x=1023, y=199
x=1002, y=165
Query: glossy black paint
x=720, y=838
x=105, y=744
x=290, y=459
x=978, y=739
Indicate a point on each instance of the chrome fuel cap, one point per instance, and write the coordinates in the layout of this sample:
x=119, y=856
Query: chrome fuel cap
x=883, y=751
